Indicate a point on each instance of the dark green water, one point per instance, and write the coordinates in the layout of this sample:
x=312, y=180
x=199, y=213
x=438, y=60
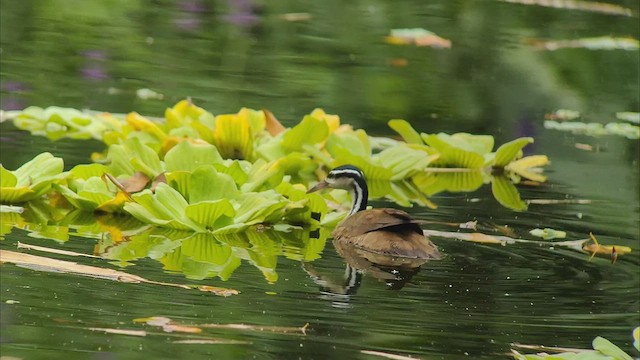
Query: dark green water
x=472, y=304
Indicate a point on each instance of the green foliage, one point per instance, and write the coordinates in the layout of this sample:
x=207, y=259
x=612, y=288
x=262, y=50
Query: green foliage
x=200, y=172
x=31, y=180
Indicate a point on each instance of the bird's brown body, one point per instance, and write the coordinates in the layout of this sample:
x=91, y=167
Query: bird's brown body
x=385, y=232
x=388, y=232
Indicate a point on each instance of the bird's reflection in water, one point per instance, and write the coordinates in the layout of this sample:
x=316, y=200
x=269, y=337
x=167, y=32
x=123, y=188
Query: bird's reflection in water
x=395, y=272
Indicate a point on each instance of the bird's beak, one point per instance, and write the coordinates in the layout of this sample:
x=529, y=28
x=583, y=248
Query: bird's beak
x=321, y=185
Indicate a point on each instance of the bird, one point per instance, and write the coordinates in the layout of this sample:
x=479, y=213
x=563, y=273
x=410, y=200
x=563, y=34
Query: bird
x=387, y=232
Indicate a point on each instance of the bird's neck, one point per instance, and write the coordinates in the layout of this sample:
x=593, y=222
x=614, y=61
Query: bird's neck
x=360, y=195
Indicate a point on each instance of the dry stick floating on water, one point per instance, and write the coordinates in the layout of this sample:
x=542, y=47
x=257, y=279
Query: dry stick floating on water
x=388, y=355
x=54, y=251
x=168, y=325
x=275, y=329
x=187, y=339
x=52, y=265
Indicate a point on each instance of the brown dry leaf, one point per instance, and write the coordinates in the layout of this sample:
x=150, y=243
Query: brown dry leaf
x=388, y=355
x=159, y=179
x=218, y=290
x=611, y=250
x=107, y=176
x=52, y=265
x=120, y=331
x=276, y=329
x=137, y=182
x=53, y=251
x=273, y=125
x=483, y=238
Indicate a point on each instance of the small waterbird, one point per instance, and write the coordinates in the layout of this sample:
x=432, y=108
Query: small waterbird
x=385, y=231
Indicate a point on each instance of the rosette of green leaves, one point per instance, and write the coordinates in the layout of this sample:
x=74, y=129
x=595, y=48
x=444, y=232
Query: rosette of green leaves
x=87, y=189
x=57, y=122
x=31, y=180
x=203, y=192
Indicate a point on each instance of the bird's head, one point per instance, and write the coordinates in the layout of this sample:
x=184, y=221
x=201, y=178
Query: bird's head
x=343, y=177
x=350, y=178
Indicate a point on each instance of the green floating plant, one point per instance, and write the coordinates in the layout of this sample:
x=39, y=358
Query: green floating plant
x=31, y=180
x=260, y=154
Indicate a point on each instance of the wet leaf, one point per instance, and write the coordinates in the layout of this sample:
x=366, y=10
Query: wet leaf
x=636, y=338
x=562, y=115
x=528, y=167
x=506, y=193
x=632, y=117
x=460, y=150
x=30, y=180
x=596, y=129
x=206, y=183
x=233, y=136
x=606, y=347
x=187, y=156
x=408, y=133
x=308, y=132
x=510, y=151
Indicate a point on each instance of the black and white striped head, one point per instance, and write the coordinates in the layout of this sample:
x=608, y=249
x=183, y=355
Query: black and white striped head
x=350, y=178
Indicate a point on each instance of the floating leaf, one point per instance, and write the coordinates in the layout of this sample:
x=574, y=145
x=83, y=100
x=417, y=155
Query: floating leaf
x=233, y=136
x=510, y=151
x=632, y=117
x=211, y=214
x=309, y=131
x=206, y=183
x=417, y=37
x=187, y=156
x=507, y=194
x=527, y=166
x=408, y=133
x=460, y=150
x=548, y=233
x=31, y=180
x=432, y=183
x=606, y=347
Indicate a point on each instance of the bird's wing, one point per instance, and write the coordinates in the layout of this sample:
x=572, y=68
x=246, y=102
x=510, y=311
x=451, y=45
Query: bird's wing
x=377, y=219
